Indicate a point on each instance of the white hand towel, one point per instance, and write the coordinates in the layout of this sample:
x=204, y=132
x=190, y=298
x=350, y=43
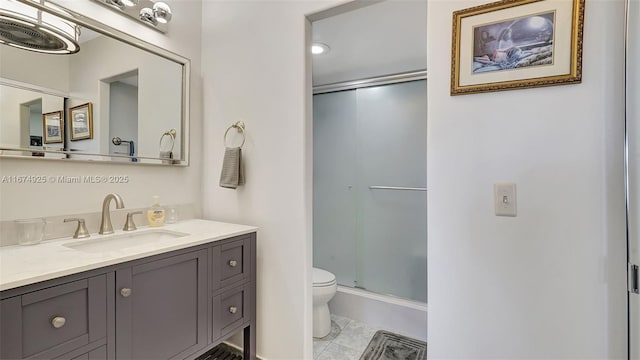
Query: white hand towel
x=232, y=174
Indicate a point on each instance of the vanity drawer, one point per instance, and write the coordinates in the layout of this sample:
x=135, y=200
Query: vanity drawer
x=230, y=310
x=230, y=263
x=48, y=323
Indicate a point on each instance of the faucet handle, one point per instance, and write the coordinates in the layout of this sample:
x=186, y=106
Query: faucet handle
x=81, y=230
x=129, y=225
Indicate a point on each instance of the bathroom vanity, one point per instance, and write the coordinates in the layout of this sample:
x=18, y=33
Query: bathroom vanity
x=174, y=294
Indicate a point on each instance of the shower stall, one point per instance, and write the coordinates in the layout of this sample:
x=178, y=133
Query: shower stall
x=369, y=190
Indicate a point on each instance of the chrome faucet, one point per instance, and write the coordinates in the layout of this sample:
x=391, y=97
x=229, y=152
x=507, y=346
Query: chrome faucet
x=105, y=224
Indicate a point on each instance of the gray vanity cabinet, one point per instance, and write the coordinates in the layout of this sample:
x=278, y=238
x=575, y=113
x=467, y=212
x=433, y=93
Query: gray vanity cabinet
x=161, y=307
x=175, y=305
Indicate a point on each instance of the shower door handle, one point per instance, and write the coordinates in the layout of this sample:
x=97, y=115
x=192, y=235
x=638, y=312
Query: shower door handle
x=380, y=187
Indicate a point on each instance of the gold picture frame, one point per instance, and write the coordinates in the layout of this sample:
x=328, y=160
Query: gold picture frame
x=81, y=122
x=52, y=127
x=516, y=44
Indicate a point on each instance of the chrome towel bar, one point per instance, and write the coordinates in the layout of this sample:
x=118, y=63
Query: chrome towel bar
x=378, y=187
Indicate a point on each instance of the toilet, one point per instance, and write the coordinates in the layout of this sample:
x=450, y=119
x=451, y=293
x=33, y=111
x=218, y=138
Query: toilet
x=324, y=288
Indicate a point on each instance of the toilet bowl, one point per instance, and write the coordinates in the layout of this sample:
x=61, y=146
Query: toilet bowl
x=324, y=288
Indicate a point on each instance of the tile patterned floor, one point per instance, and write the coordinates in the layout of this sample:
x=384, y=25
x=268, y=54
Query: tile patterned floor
x=347, y=340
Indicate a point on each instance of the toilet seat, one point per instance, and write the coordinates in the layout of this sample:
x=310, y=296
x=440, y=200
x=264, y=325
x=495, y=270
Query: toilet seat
x=332, y=283
x=323, y=278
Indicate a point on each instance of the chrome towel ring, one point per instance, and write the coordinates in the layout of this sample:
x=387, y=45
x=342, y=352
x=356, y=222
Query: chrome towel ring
x=239, y=126
x=171, y=141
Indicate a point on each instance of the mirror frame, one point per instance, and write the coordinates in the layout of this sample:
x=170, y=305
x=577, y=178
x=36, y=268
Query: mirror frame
x=107, y=30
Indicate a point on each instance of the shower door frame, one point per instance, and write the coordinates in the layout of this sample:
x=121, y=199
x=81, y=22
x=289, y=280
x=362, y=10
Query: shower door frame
x=370, y=82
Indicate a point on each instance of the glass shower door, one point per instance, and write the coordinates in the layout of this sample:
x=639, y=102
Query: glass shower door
x=369, y=179
x=392, y=236
x=334, y=176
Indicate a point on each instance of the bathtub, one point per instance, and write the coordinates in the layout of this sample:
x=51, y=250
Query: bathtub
x=388, y=312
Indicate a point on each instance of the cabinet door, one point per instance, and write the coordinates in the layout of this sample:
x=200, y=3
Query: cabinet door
x=161, y=308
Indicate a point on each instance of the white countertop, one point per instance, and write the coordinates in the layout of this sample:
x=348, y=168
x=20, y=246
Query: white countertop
x=24, y=265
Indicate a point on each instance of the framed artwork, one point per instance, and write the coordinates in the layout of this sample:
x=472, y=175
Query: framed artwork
x=52, y=125
x=516, y=44
x=81, y=120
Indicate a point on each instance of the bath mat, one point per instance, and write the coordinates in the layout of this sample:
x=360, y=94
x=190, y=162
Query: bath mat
x=221, y=352
x=389, y=346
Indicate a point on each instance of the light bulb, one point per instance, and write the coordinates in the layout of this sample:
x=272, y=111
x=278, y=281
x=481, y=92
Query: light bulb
x=162, y=12
x=146, y=14
x=319, y=48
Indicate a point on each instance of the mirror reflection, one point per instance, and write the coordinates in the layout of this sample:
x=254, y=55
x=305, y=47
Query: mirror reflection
x=109, y=100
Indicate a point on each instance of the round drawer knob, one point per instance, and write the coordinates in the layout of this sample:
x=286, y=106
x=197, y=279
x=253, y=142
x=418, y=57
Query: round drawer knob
x=233, y=263
x=125, y=292
x=233, y=309
x=58, y=322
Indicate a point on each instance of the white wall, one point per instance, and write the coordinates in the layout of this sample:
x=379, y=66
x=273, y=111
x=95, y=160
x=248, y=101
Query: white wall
x=44, y=70
x=256, y=72
x=174, y=185
x=549, y=283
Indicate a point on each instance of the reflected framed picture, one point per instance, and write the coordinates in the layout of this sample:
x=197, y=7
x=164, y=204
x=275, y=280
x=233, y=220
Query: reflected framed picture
x=516, y=44
x=35, y=140
x=52, y=125
x=81, y=122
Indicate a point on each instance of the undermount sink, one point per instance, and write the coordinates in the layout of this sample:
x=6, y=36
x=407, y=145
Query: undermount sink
x=125, y=241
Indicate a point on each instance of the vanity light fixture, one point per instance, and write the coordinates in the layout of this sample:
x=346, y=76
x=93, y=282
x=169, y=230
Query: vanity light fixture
x=130, y=2
x=146, y=15
x=121, y=4
x=162, y=12
x=26, y=27
x=319, y=48
x=149, y=12
x=118, y=4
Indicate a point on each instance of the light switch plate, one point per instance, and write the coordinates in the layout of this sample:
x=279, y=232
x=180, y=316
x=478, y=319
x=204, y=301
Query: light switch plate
x=504, y=197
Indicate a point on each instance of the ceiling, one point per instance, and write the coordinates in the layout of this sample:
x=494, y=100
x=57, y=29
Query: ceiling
x=387, y=37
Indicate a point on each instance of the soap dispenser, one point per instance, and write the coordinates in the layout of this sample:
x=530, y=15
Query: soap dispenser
x=155, y=214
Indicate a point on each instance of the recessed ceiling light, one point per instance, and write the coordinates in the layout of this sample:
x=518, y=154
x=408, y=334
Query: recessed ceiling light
x=319, y=48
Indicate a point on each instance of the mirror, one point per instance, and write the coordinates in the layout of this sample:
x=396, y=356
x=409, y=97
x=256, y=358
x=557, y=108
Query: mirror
x=117, y=99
